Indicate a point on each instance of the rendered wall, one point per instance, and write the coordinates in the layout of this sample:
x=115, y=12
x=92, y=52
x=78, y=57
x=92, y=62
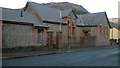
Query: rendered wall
x=114, y=33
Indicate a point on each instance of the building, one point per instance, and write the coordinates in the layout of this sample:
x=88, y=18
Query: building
x=19, y=28
x=57, y=20
x=95, y=25
x=115, y=30
x=71, y=25
x=37, y=24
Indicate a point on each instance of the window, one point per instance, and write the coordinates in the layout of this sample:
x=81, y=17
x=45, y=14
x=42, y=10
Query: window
x=73, y=31
x=73, y=27
x=39, y=30
x=107, y=31
x=100, y=30
x=104, y=31
x=69, y=28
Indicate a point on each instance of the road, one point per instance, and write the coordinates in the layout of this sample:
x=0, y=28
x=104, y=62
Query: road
x=99, y=57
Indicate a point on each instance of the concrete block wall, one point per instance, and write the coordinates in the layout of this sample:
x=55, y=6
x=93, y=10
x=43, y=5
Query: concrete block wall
x=18, y=35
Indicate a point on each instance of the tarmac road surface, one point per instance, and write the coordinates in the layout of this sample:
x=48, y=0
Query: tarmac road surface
x=99, y=57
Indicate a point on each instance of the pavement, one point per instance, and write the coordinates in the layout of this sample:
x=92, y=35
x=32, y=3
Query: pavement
x=6, y=56
x=26, y=54
x=106, y=56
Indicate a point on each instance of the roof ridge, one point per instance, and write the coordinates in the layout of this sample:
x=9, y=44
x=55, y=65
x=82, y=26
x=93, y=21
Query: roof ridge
x=44, y=5
x=94, y=13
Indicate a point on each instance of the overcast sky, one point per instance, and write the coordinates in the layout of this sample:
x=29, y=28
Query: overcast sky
x=110, y=6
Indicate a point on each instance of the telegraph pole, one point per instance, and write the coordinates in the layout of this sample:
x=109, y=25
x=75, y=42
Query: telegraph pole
x=60, y=28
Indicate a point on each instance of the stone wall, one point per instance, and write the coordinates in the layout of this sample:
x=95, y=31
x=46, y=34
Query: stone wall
x=24, y=35
x=102, y=39
x=76, y=40
x=79, y=34
x=55, y=28
x=18, y=35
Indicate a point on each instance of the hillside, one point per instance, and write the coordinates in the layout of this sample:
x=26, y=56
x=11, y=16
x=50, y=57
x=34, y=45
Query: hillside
x=66, y=5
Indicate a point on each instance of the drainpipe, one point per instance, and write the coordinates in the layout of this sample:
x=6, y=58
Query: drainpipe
x=60, y=22
x=60, y=28
x=112, y=37
x=21, y=15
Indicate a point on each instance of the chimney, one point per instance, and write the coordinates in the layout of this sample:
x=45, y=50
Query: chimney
x=21, y=14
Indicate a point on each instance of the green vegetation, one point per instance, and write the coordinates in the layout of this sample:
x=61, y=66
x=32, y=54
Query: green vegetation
x=79, y=12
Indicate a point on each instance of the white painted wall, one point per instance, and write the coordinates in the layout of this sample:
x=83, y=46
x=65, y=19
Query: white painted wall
x=114, y=33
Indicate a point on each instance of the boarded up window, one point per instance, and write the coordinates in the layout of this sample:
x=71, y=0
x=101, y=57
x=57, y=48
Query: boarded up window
x=107, y=31
x=73, y=29
x=104, y=31
x=100, y=30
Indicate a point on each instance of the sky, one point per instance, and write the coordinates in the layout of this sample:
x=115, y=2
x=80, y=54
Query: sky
x=93, y=6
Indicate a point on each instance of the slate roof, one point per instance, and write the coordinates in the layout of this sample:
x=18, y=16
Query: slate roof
x=93, y=19
x=115, y=23
x=79, y=21
x=115, y=20
x=15, y=15
x=66, y=12
x=48, y=13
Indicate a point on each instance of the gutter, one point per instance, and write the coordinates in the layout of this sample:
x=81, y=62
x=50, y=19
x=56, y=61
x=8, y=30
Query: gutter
x=87, y=25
